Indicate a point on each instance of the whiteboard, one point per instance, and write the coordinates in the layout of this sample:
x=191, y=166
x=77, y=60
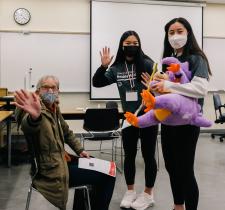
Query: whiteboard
x=109, y=20
x=66, y=56
x=214, y=49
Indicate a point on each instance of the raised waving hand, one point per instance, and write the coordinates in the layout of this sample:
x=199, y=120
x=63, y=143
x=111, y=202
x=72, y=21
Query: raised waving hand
x=106, y=58
x=29, y=102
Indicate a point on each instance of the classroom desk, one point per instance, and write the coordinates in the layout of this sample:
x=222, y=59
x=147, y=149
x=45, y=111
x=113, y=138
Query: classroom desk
x=5, y=116
x=7, y=100
x=79, y=114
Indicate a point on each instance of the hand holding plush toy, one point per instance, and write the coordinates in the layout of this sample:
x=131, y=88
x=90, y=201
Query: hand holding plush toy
x=131, y=118
x=148, y=100
x=170, y=109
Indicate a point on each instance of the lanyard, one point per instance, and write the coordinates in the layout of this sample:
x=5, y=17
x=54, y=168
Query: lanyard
x=131, y=78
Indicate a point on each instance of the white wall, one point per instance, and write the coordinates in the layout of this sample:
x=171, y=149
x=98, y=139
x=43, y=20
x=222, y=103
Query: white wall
x=73, y=16
x=214, y=26
x=48, y=15
x=214, y=21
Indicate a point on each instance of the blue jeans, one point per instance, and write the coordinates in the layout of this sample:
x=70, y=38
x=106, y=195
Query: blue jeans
x=102, y=184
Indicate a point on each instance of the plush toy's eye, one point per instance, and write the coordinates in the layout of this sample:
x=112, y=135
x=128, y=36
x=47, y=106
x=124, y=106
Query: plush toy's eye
x=161, y=72
x=178, y=76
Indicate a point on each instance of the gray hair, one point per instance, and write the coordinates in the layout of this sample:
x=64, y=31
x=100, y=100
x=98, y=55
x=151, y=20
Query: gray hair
x=44, y=78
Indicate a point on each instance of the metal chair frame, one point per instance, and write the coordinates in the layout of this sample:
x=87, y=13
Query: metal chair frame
x=101, y=125
x=83, y=187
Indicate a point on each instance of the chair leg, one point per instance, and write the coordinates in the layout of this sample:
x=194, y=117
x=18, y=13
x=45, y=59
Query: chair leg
x=88, y=203
x=86, y=196
x=29, y=197
x=221, y=136
x=121, y=160
x=100, y=148
x=115, y=150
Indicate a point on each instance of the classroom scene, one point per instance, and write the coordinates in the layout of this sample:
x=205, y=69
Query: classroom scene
x=112, y=105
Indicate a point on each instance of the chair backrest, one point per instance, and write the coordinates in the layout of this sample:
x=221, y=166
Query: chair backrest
x=220, y=117
x=98, y=120
x=111, y=105
x=217, y=101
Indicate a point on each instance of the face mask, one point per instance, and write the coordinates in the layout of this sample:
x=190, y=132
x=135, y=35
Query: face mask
x=130, y=51
x=177, y=41
x=49, y=98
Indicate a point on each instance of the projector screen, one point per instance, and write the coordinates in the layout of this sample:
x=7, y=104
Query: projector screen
x=109, y=20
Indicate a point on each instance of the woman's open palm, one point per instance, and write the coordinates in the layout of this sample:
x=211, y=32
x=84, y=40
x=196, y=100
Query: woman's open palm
x=106, y=58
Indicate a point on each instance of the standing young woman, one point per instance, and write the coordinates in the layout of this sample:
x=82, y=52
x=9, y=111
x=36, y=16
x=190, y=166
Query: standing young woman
x=179, y=142
x=126, y=71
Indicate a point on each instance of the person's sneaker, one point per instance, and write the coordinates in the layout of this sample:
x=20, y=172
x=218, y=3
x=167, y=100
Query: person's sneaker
x=129, y=197
x=143, y=201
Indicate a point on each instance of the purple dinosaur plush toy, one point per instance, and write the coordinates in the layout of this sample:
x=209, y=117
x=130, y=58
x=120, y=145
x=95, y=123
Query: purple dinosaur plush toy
x=171, y=108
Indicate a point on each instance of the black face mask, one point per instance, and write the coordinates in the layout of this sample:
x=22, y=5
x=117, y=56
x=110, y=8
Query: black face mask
x=130, y=51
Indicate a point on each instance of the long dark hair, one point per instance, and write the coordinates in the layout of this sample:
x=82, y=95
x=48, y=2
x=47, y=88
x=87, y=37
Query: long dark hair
x=191, y=46
x=139, y=58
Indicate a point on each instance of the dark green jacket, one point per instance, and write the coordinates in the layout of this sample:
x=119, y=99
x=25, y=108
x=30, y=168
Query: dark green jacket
x=48, y=135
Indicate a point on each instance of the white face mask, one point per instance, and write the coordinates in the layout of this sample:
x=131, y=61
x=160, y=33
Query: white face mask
x=177, y=41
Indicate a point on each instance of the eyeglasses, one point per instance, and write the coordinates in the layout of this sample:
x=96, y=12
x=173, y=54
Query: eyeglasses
x=47, y=87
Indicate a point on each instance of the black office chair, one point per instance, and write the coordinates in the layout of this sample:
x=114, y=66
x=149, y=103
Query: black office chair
x=101, y=125
x=220, y=115
x=34, y=174
x=111, y=105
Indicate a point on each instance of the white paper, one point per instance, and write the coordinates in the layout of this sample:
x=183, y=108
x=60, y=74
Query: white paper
x=125, y=124
x=103, y=166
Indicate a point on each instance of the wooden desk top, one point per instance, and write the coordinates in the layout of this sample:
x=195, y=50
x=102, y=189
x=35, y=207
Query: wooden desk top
x=6, y=101
x=7, y=98
x=74, y=111
x=79, y=111
x=5, y=114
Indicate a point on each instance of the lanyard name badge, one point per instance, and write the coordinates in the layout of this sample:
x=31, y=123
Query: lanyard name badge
x=132, y=94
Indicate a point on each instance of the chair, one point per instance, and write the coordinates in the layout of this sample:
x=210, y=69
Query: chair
x=34, y=165
x=111, y=105
x=220, y=116
x=86, y=196
x=102, y=124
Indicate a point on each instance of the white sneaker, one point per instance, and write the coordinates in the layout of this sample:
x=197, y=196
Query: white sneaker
x=143, y=201
x=128, y=198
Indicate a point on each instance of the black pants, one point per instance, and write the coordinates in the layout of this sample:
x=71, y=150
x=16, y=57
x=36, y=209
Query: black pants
x=102, y=185
x=178, y=147
x=148, y=136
